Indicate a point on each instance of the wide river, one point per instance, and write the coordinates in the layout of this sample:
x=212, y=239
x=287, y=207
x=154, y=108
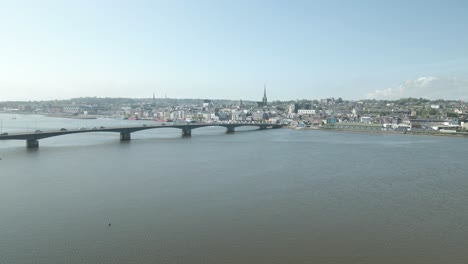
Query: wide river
x=273, y=196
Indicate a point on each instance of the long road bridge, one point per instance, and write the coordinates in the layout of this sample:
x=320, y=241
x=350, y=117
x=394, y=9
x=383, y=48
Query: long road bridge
x=32, y=138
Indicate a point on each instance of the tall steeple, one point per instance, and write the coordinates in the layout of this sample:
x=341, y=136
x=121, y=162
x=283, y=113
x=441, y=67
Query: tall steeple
x=265, y=101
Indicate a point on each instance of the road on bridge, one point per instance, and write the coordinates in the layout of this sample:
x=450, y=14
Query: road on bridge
x=125, y=132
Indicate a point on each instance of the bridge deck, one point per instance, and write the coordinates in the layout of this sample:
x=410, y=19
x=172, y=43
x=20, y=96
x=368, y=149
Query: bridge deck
x=128, y=129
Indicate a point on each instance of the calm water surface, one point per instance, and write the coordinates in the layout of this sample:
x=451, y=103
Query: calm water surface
x=275, y=196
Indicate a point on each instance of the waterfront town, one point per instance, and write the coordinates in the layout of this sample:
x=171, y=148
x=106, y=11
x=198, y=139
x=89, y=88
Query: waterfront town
x=403, y=115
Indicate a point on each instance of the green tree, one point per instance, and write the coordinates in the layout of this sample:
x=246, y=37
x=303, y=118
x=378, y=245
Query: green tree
x=451, y=114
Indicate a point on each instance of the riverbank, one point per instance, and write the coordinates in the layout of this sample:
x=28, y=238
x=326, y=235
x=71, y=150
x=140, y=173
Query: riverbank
x=52, y=115
x=424, y=133
x=71, y=116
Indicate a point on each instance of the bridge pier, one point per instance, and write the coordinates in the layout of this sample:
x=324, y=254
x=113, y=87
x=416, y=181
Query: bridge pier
x=186, y=132
x=262, y=127
x=230, y=130
x=32, y=143
x=125, y=136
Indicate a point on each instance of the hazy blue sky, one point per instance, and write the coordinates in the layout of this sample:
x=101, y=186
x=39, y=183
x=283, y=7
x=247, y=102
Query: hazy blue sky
x=230, y=49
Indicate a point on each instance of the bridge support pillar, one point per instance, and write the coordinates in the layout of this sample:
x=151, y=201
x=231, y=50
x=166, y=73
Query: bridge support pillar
x=32, y=143
x=125, y=136
x=230, y=130
x=186, y=132
x=262, y=127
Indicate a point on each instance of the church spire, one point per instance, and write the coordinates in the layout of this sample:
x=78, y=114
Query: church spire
x=265, y=101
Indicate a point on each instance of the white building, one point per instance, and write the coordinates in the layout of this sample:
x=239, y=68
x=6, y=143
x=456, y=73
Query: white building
x=306, y=112
x=366, y=119
x=464, y=125
x=71, y=109
x=178, y=114
x=257, y=115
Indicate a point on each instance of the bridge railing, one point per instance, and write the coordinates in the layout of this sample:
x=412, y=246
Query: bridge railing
x=33, y=137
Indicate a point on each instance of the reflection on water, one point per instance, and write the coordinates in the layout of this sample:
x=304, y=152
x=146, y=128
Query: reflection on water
x=275, y=196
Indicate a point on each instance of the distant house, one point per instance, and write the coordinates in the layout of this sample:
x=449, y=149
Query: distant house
x=396, y=120
x=464, y=124
x=207, y=104
x=259, y=115
x=306, y=112
x=327, y=101
x=427, y=123
x=55, y=109
x=366, y=119
x=331, y=121
x=317, y=121
x=71, y=109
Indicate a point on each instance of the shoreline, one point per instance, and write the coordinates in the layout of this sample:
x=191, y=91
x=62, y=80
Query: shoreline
x=50, y=115
x=70, y=116
x=458, y=134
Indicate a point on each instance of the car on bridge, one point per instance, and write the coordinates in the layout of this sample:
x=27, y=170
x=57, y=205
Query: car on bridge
x=4, y=134
x=63, y=129
x=37, y=131
x=82, y=128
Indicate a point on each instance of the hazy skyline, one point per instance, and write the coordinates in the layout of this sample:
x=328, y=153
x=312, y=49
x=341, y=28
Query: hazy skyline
x=230, y=49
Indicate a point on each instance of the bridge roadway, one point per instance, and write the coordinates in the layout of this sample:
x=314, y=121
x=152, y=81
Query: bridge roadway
x=125, y=132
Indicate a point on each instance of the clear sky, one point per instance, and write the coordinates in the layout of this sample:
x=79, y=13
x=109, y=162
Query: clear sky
x=230, y=49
